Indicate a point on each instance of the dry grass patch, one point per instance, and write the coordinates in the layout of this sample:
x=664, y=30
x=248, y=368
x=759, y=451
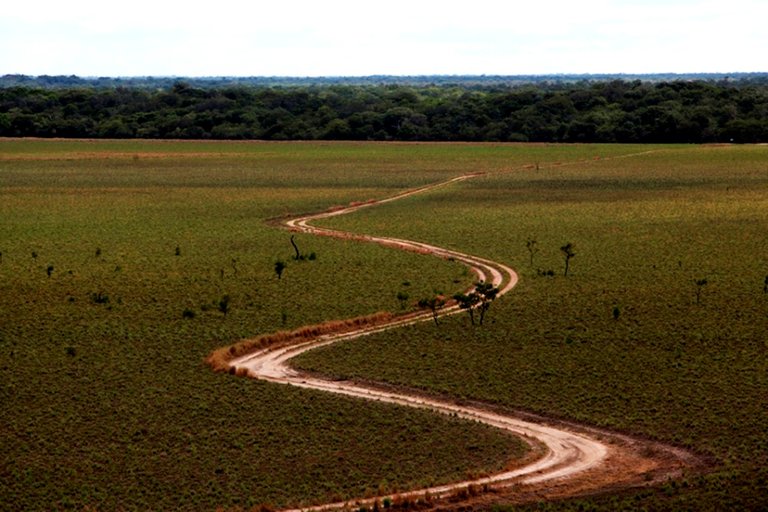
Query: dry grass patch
x=220, y=358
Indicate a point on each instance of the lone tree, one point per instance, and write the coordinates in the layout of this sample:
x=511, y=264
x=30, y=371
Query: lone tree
x=532, y=248
x=298, y=255
x=433, y=304
x=569, y=253
x=279, y=267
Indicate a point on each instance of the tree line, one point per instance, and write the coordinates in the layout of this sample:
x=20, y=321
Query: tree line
x=697, y=111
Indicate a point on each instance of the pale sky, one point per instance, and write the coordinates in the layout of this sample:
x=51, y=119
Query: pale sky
x=394, y=37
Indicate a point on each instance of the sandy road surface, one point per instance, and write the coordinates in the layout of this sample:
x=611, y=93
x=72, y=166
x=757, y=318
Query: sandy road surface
x=573, y=460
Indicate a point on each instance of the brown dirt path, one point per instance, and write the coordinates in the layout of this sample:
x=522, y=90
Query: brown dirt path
x=571, y=459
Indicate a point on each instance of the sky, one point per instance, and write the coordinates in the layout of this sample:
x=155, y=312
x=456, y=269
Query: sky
x=393, y=37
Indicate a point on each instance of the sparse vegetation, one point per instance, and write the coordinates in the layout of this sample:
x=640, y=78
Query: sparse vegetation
x=402, y=298
x=224, y=304
x=532, y=247
x=648, y=228
x=99, y=298
x=568, y=252
x=700, y=284
x=480, y=298
x=158, y=420
x=155, y=418
x=468, y=302
x=434, y=304
x=280, y=267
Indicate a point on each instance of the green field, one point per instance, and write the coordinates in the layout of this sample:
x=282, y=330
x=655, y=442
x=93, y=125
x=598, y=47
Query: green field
x=645, y=230
x=107, y=402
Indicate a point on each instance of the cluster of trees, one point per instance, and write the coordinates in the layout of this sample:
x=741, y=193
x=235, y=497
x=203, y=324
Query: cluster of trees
x=610, y=111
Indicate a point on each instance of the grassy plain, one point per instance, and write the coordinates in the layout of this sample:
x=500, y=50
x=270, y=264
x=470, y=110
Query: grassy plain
x=108, y=403
x=646, y=228
x=106, y=400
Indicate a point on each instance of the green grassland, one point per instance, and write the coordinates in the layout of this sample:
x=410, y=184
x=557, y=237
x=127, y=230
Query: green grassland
x=645, y=229
x=106, y=401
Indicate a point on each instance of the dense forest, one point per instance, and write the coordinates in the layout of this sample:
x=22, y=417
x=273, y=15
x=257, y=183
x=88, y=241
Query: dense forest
x=444, y=109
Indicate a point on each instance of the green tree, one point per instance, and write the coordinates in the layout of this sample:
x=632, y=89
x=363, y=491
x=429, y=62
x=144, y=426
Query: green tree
x=433, y=304
x=486, y=293
x=468, y=302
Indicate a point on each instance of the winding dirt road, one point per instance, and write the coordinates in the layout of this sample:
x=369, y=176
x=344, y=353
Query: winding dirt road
x=572, y=459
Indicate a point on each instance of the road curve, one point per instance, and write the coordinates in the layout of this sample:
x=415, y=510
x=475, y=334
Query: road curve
x=569, y=452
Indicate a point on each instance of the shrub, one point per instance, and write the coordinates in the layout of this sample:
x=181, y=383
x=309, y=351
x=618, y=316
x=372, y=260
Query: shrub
x=100, y=298
x=224, y=304
x=279, y=268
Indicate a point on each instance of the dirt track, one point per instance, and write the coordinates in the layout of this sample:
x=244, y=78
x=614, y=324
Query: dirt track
x=572, y=459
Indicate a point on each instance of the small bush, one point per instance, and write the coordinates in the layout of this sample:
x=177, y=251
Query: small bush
x=279, y=268
x=224, y=304
x=188, y=314
x=100, y=298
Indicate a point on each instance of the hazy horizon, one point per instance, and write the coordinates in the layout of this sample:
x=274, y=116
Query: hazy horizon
x=340, y=38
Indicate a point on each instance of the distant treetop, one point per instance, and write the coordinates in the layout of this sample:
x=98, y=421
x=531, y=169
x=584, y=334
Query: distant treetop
x=557, y=108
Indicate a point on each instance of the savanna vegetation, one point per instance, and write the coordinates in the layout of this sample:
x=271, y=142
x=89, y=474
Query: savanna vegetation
x=658, y=329
x=628, y=111
x=124, y=264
